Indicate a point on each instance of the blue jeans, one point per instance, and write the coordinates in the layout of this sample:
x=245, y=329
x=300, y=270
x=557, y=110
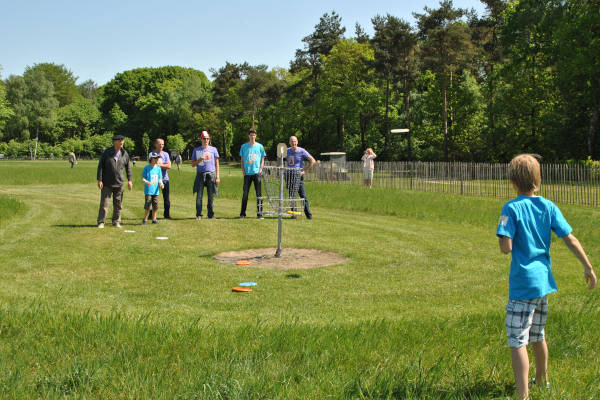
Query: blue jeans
x=202, y=180
x=291, y=176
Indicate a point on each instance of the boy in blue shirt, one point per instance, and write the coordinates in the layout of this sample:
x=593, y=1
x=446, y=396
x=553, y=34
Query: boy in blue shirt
x=252, y=156
x=524, y=230
x=152, y=178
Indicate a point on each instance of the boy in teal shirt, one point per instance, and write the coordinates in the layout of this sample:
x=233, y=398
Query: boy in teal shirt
x=252, y=156
x=152, y=178
x=524, y=230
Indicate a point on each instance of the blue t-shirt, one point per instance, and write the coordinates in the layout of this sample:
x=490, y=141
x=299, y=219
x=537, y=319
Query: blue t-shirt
x=207, y=155
x=529, y=222
x=252, y=156
x=152, y=174
x=295, y=159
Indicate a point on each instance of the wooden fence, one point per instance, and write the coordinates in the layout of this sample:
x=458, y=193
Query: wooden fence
x=561, y=183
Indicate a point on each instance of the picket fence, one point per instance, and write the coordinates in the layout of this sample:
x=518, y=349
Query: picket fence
x=561, y=183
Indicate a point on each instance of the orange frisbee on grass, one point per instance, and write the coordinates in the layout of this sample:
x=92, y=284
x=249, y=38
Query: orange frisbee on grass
x=241, y=289
x=243, y=262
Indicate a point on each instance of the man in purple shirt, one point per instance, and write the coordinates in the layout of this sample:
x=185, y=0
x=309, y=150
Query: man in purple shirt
x=164, y=162
x=295, y=159
x=206, y=160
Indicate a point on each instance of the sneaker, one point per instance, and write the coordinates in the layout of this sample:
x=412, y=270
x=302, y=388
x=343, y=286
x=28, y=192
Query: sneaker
x=309, y=217
x=155, y=221
x=532, y=383
x=101, y=225
x=144, y=222
x=260, y=217
x=199, y=217
x=213, y=217
x=242, y=216
x=117, y=225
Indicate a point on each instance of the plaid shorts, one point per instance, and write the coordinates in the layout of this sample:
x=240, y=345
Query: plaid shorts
x=526, y=320
x=151, y=200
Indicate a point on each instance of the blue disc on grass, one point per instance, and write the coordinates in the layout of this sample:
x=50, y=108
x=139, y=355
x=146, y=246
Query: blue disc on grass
x=248, y=284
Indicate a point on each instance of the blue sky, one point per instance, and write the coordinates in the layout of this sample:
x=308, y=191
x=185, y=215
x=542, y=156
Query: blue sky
x=97, y=39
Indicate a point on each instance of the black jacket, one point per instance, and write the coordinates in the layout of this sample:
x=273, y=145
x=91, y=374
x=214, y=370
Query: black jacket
x=110, y=172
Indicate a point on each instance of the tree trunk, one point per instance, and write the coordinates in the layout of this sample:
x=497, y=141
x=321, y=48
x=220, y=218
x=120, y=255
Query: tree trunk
x=445, y=90
x=407, y=111
x=387, y=120
x=37, y=134
x=341, y=132
x=591, y=139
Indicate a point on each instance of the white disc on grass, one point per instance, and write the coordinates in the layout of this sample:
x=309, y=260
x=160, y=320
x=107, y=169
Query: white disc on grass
x=162, y=237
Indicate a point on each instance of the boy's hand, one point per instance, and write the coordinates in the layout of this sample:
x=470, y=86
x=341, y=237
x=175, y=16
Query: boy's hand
x=162, y=186
x=590, y=277
x=148, y=183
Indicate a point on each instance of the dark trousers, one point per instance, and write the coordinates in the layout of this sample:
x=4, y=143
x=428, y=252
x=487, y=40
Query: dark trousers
x=292, y=176
x=105, y=194
x=203, y=180
x=166, y=199
x=248, y=180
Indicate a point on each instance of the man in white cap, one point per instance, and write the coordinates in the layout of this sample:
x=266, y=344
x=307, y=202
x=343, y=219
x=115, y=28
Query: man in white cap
x=206, y=160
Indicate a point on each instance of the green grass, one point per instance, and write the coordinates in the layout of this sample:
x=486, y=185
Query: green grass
x=9, y=208
x=416, y=314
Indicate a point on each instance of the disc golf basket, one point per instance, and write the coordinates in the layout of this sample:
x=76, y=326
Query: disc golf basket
x=280, y=185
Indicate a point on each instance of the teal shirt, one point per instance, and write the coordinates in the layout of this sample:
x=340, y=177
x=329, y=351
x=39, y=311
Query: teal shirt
x=252, y=157
x=529, y=221
x=152, y=174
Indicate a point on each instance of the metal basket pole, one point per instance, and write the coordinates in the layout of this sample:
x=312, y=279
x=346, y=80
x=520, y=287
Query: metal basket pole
x=280, y=211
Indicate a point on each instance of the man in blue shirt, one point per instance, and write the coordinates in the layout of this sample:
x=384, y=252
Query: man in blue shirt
x=252, y=156
x=295, y=159
x=205, y=159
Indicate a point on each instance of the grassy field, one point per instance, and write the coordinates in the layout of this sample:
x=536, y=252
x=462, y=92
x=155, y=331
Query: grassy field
x=418, y=312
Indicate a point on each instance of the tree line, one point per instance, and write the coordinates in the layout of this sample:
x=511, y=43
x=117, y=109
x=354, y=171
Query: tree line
x=523, y=77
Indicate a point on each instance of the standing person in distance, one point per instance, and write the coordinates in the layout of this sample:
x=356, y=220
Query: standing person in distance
x=295, y=159
x=206, y=160
x=111, y=180
x=368, y=166
x=164, y=162
x=524, y=230
x=178, y=161
x=72, y=158
x=252, y=156
x=153, y=179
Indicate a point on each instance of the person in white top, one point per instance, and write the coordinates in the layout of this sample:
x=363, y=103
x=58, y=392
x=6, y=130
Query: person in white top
x=368, y=166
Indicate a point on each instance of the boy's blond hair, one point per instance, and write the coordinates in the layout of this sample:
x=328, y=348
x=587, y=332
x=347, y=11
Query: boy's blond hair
x=524, y=172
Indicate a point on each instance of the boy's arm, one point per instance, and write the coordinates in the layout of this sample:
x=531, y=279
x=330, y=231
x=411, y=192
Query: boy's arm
x=576, y=248
x=505, y=244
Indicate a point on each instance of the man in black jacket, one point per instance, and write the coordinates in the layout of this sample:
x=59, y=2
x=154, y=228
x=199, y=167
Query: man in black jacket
x=111, y=180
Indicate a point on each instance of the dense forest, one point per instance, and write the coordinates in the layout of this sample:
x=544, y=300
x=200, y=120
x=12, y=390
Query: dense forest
x=523, y=77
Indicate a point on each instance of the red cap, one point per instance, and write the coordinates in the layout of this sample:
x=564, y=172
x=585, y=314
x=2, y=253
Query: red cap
x=204, y=134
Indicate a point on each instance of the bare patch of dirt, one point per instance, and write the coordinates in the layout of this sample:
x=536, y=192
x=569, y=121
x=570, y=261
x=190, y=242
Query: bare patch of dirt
x=290, y=258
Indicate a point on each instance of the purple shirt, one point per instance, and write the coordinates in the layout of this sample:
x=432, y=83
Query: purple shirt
x=295, y=159
x=208, y=156
x=164, y=158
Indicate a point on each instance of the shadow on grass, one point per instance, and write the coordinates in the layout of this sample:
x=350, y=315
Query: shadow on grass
x=73, y=226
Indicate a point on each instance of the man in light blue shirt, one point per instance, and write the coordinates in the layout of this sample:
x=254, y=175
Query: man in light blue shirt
x=252, y=156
